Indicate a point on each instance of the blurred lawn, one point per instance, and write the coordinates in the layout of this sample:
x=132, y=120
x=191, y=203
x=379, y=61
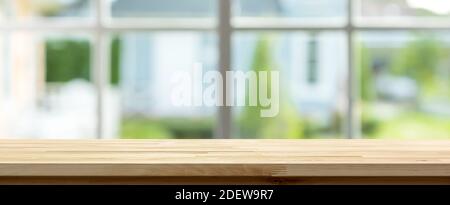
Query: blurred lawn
x=414, y=125
x=167, y=128
x=406, y=125
x=403, y=123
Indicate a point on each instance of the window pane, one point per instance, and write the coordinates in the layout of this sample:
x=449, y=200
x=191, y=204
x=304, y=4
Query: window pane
x=327, y=11
x=312, y=69
x=2, y=10
x=26, y=10
x=139, y=101
x=402, y=11
x=3, y=83
x=162, y=8
x=46, y=87
x=405, y=84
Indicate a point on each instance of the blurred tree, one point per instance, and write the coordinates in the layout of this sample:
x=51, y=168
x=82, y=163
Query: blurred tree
x=364, y=60
x=366, y=73
x=45, y=7
x=70, y=59
x=250, y=119
x=286, y=124
x=51, y=8
x=419, y=60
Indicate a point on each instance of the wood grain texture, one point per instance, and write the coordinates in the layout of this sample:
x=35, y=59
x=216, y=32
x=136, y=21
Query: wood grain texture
x=224, y=158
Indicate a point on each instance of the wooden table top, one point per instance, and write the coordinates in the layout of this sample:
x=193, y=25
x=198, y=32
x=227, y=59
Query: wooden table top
x=277, y=158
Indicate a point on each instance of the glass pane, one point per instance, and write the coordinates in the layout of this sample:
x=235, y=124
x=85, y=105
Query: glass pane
x=327, y=11
x=26, y=10
x=3, y=84
x=139, y=99
x=312, y=70
x=405, y=84
x=46, y=88
x=162, y=8
x=2, y=10
x=402, y=11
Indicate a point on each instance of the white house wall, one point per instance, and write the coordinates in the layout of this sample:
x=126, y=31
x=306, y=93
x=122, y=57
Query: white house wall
x=148, y=64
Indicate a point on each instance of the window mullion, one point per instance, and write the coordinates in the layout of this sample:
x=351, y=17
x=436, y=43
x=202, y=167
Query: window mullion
x=224, y=30
x=351, y=128
x=99, y=61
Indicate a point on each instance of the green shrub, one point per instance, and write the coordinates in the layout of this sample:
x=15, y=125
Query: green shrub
x=67, y=60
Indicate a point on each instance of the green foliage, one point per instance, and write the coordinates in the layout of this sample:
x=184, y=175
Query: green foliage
x=365, y=73
x=168, y=128
x=250, y=119
x=47, y=7
x=370, y=124
x=198, y=128
x=143, y=129
x=115, y=60
x=419, y=60
x=67, y=60
x=286, y=124
x=70, y=59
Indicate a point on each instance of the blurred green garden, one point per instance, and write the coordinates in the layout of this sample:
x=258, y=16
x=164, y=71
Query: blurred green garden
x=425, y=62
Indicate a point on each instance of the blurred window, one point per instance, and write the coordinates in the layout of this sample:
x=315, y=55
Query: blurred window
x=402, y=12
x=100, y=68
x=312, y=75
x=162, y=8
x=38, y=10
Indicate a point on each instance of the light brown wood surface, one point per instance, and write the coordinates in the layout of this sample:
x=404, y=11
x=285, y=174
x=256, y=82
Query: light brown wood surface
x=224, y=158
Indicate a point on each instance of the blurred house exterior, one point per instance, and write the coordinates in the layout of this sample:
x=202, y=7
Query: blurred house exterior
x=402, y=8
x=148, y=61
x=390, y=7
